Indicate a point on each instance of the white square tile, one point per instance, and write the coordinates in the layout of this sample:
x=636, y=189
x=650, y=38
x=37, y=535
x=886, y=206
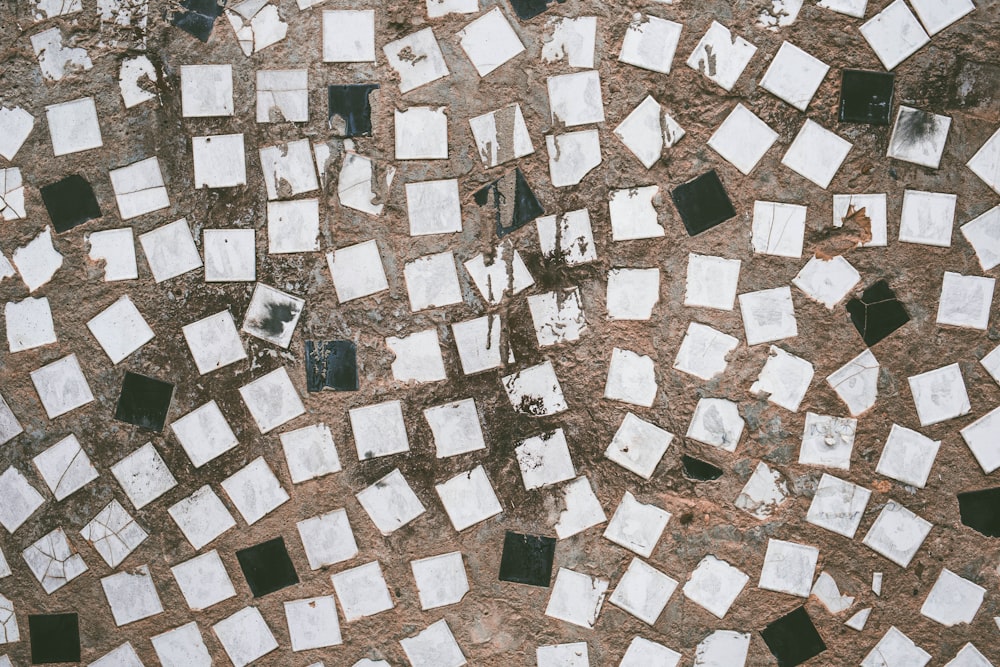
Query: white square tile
x=927, y=218
x=569, y=39
x=778, y=229
x=490, y=41
x=581, y=509
x=638, y=445
x=986, y=162
x=936, y=15
x=632, y=293
x=292, y=226
x=170, y=250
x=204, y=434
x=116, y=249
x=132, y=595
x=455, y=427
x=535, y=390
x=441, y=580
x=827, y=281
x=816, y=153
x=721, y=57
x=568, y=237
x=918, y=137
x=421, y=133
x=313, y=623
x=255, y=491
x=206, y=90
x=120, y=329
x=219, y=161
x=417, y=357
x=643, y=591
x=716, y=422
x=245, y=636
x=764, y=492
x=982, y=437
x=349, y=36
x=61, y=386
x=501, y=135
x=557, y=316
x=785, y=379
x=139, y=188
x=433, y=207
x=874, y=209
x=703, y=352
x=310, y=453
x=768, y=315
x=897, y=534
x=478, y=343
x=29, y=324
x=272, y=315
x=390, y=504
x=114, y=534
x=572, y=156
x=711, y=281
x=417, y=59
x=469, y=498
x=143, y=476
x=283, y=95
x=650, y=43
x=357, y=271
x=714, y=585
x=633, y=215
x=230, y=255
x=576, y=598
x=65, y=467
x=362, y=591
x=896, y=650
x=983, y=234
x=327, y=539
x=15, y=126
x=742, y=139
x=631, y=378
x=838, y=505
x=788, y=568
x=54, y=561
x=894, y=34
x=544, y=460
x=201, y=517
x=563, y=655
x=214, y=342
x=856, y=382
x=575, y=99
x=434, y=646
x=648, y=130
x=794, y=75
x=828, y=441
x=939, y=394
x=203, y=581
x=288, y=169
x=432, y=281
x=907, y=456
x=379, y=430
x=73, y=126
x=642, y=652
x=182, y=647
x=965, y=301
x=272, y=400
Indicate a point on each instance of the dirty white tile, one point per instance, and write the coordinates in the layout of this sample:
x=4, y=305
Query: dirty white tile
x=927, y=218
x=650, y=43
x=37, y=261
x=204, y=434
x=363, y=184
x=362, y=591
x=272, y=400
x=123, y=656
x=855, y=8
x=581, y=509
x=206, y=90
x=856, y=382
x=390, y=503
x=716, y=422
x=433, y=207
x=255, y=490
x=219, y=161
x=827, y=281
x=309, y=452
x=51, y=8
x=283, y=95
x=939, y=394
x=721, y=57
x=288, y=169
x=11, y=194
x=349, y=36
x=704, y=351
x=73, y=126
x=877, y=583
x=10, y=427
x=432, y=281
x=969, y=656
x=313, y=623
x=859, y=620
x=4, y=569
x=421, y=133
x=257, y=25
x=434, y=646
x=54, y=561
x=9, y=632
x=29, y=324
x=544, y=460
x=535, y=390
x=15, y=126
x=576, y=598
x=61, y=386
x=983, y=234
x=139, y=188
x=490, y=41
x=918, y=137
x=182, y=647
x=214, y=342
x=828, y=593
x=723, y=648
x=143, y=475
x=828, y=441
x=478, y=343
x=455, y=427
x=633, y=215
x=327, y=539
x=742, y=139
x=245, y=636
x=714, y=585
x=637, y=526
x=56, y=60
x=838, y=505
x=65, y=467
x=203, y=581
x=632, y=293
x=711, y=281
x=631, y=378
x=230, y=255
x=569, y=39
x=780, y=14
x=895, y=649
x=936, y=15
x=468, y=498
x=763, y=493
x=292, y=226
x=897, y=534
x=114, y=533
x=506, y=274
x=501, y=135
x=785, y=378
x=794, y=75
x=965, y=300
x=982, y=436
x=643, y=591
x=441, y=580
x=379, y=430
x=116, y=248
x=417, y=59
x=568, y=237
x=642, y=652
x=638, y=445
x=558, y=317
x=132, y=595
x=120, y=329
x=170, y=250
x=778, y=229
x=575, y=99
x=131, y=72
x=991, y=362
x=953, y=600
x=816, y=153
x=439, y=8
x=563, y=655
x=894, y=34
x=874, y=208
x=572, y=156
x=789, y=567
x=986, y=162
x=201, y=517
x=768, y=315
x=20, y=499
x=649, y=130
x=357, y=271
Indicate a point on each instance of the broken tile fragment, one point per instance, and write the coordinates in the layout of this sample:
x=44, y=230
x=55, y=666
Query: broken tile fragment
x=196, y=17
x=288, y=169
x=582, y=509
x=565, y=38
x=978, y=510
x=38, y=260
x=363, y=184
x=763, y=493
x=859, y=620
x=489, y=41
x=11, y=194
x=132, y=71
x=114, y=534
x=513, y=202
x=535, y=390
x=572, y=155
x=895, y=649
x=638, y=445
x=567, y=237
x=856, y=382
x=349, y=111
x=576, y=598
x=417, y=357
x=697, y=469
x=631, y=378
x=65, y=467
x=720, y=57
x=648, y=131
x=784, y=379
x=501, y=135
x=637, y=526
x=257, y=24
x=558, y=317
x=633, y=215
x=507, y=273
x=650, y=43
x=54, y=561
x=828, y=593
x=877, y=313
x=20, y=499
x=986, y=162
x=56, y=60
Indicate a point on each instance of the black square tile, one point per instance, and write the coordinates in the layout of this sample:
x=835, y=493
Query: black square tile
x=527, y=559
x=267, y=567
x=70, y=202
x=877, y=313
x=528, y=9
x=351, y=104
x=331, y=364
x=197, y=18
x=511, y=202
x=793, y=639
x=702, y=203
x=700, y=470
x=144, y=401
x=980, y=511
x=866, y=97
x=54, y=638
